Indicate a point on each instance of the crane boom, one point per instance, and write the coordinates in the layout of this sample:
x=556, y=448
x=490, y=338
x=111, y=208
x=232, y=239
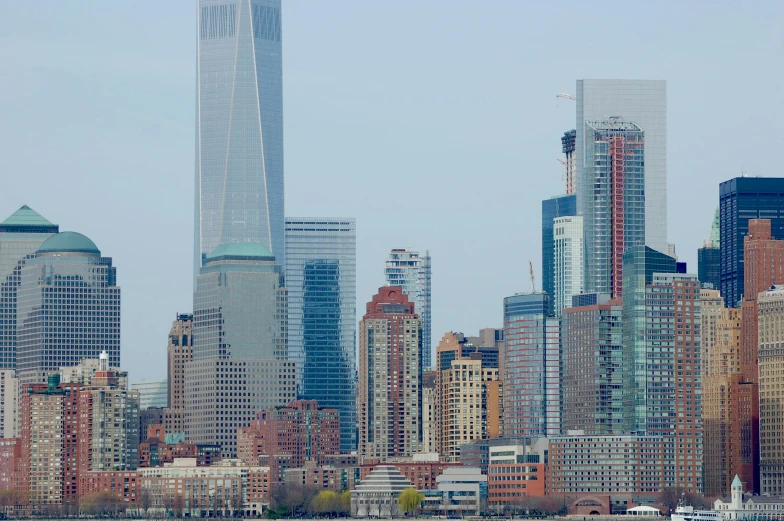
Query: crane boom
x=533, y=279
x=565, y=96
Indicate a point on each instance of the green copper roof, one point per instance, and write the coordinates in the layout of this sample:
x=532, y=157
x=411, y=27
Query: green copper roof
x=241, y=251
x=714, y=234
x=736, y=482
x=68, y=242
x=26, y=217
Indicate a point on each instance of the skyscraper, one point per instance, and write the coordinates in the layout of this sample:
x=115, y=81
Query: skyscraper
x=614, y=209
x=179, y=352
x=389, y=404
x=20, y=236
x=530, y=367
x=405, y=268
x=239, y=126
x=741, y=199
x=568, y=257
x=568, y=145
x=321, y=255
x=240, y=361
x=68, y=307
x=645, y=103
x=558, y=206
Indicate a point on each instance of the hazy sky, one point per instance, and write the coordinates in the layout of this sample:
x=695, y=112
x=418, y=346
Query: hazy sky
x=433, y=122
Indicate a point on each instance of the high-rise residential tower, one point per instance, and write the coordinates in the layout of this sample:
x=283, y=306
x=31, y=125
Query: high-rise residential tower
x=9, y=403
x=405, y=268
x=614, y=209
x=239, y=126
x=321, y=255
x=240, y=361
x=771, y=368
x=740, y=200
x=68, y=307
x=568, y=261
x=553, y=208
x=20, y=236
x=645, y=103
x=389, y=401
x=530, y=367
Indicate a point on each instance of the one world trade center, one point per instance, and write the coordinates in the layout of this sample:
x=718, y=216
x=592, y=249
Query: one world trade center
x=239, y=126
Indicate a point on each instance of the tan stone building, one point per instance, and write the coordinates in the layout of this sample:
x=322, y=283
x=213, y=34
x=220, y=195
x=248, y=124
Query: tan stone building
x=178, y=352
x=771, y=390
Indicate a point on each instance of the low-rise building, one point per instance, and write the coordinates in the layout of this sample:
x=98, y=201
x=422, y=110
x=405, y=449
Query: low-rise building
x=422, y=474
x=376, y=495
x=124, y=485
x=462, y=490
x=160, y=448
x=740, y=507
x=517, y=471
x=324, y=478
x=227, y=487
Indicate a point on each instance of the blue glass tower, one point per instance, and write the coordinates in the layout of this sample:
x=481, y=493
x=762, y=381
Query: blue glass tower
x=558, y=206
x=239, y=126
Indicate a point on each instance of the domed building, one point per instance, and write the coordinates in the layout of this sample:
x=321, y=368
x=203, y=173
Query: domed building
x=68, y=307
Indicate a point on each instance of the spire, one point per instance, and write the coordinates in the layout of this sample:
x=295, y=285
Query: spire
x=714, y=234
x=27, y=218
x=736, y=483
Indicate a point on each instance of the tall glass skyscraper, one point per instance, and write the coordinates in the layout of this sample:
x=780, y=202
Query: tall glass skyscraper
x=239, y=126
x=645, y=103
x=558, y=206
x=321, y=259
x=20, y=236
x=405, y=268
x=68, y=308
x=614, y=209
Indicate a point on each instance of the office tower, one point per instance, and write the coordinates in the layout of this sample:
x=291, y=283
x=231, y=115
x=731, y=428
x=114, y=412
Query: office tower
x=468, y=401
x=709, y=265
x=614, y=209
x=321, y=258
x=740, y=200
x=721, y=365
x=592, y=365
x=763, y=266
x=429, y=411
x=389, y=402
x=239, y=127
x=639, y=265
x=674, y=404
x=152, y=393
x=645, y=103
x=771, y=368
x=179, y=351
x=405, y=268
x=9, y=405
x=20, y=237
x=68, y=307
x=567, y=260
x=488, y=337
x=240, y=361
x=530, y=367
x=568, y=145
x=558, y=206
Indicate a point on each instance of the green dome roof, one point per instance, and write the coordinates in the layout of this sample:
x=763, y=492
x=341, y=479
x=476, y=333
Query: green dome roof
x=68, y=242
x=241, y=251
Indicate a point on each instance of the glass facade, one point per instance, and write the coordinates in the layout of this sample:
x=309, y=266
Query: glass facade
x=709, y=266
x=568, y=256
x=405, y=268
x=152, y=393
x=68, y=308
x=531, y=367
x=741, y=199
x=614, y=210
x=559, y=206
x=240, y=361
x=20, y=236
x=645, y=103
x=321, y=284
x=639, y=265
x=239, y=126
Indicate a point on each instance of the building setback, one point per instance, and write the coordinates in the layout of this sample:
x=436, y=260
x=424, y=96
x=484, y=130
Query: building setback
x=740, y=200
x=321, y=258
x=389, y=401
x=179, y=352
x=553, y=208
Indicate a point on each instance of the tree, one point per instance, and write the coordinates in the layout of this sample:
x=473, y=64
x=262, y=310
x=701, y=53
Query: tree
x=102, y=503
x=145, y=501
x=410, y=500
x=670, y=497
x=698, y=501
x=290, y=500
x=178, y=505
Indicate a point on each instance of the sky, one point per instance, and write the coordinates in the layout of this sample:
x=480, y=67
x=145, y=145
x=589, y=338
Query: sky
x=434, y=122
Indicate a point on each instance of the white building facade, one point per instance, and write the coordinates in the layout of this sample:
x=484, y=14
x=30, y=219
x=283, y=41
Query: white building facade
x=568, y=256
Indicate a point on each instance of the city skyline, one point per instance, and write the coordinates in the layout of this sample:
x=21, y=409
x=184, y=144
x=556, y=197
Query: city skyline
x=512, y=135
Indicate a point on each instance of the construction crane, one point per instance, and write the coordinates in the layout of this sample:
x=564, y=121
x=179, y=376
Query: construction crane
x=533, y=279
x=565, y=96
